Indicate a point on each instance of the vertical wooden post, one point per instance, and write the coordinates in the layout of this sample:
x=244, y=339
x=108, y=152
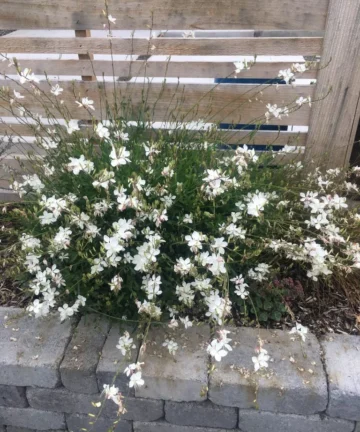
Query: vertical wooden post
x=85, y=33
x=334, y=120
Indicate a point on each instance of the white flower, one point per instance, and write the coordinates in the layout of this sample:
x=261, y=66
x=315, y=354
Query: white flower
x=151, y=285
x=218, y=245
x=167, y=172
x=105, y=177
x=261, y=361
x=224, y=339
x=111, y=19
x=287, y=75
x=240, y=65
x=173, y=323
x=260, y=272
x=150, y=151
x=188, y=218
x=116, y=283
x=149, y=309
x=29, y=243
x=110, y=392
x=125, y=344
x=98, y=266
x=216, y=350
x=72, y=126
x=183, y=266
x=235, y=232
x=187, y=323
x=77, y=165
x=86, y=103
x=297, y=67
x=216, y=264
x=256, y=203
x=240, y=287
x=38, y=308
x=47, y=218
x=62, y=238
x=102, y=131
x=34, y=182
x=65, y=312
x=299, y=330
x=92, y=231
x=81, y=300
x=26, y=76
x=185, y=293
x=194, y=241
x=56, y=90
x=112, y=246
x=119, y=156
x=129, y=370
x=171, y=345
x=18, y=95
x=136, y=380
x=219, y=308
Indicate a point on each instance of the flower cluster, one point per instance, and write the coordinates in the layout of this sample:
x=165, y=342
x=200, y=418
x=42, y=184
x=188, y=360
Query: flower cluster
x=168, y=226
x=151, y=234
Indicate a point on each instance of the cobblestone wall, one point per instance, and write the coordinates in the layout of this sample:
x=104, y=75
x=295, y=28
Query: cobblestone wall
x=51, y=374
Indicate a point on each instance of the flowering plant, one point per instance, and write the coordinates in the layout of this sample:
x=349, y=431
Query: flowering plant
x=172, y=227
x=168, y=225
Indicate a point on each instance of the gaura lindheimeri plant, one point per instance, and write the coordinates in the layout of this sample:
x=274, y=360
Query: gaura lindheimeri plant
x=167, y=225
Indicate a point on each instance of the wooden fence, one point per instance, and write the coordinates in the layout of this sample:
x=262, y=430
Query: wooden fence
x=332, y=121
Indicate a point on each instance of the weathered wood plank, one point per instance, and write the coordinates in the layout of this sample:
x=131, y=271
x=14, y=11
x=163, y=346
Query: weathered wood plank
x=166, y=14
x=169, y=69
x=334, y=120
x=225, y=102
x=266, y=138
x=308, y=46
x=81, y=34
x=228, y=136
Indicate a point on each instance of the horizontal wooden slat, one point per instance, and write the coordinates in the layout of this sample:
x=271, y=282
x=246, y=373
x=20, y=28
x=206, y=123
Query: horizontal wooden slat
x=8, y=195
x=225, y=102
x=227, y=136
x=266, y=138
x=307, y=46
x=16, y=129
x=166, y=14
x=169, y=69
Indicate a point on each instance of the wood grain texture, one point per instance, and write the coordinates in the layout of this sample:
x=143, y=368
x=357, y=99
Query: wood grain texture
x=227, y=136
x=81, y=34
x=166, y=14
x=306, y=46
x=334, y=120
x=225, y=102
x=154, y=69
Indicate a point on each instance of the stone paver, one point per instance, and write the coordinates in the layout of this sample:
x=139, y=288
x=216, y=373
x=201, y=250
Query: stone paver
x=201, y=414
x=167, y=427
x=62, y=400
x=181, y=378
x=12, y=396
x=31, y=418
x=20, y=429
x=78, y=369
x=31, y=349
x=255, y=421
x=294, y=382
x=79, y=422
x=342, y=358
x=112, y=363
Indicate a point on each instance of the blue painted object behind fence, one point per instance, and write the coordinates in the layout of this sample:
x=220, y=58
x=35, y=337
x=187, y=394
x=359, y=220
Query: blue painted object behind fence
x=252, y=127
